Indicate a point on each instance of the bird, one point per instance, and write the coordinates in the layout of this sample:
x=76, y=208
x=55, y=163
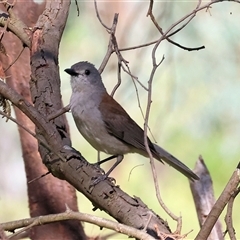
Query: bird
x=104, y=123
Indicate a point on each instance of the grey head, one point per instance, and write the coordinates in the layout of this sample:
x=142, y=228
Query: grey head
x=84, y=76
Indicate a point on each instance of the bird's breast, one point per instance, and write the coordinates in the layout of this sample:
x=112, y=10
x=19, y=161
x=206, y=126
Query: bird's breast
x=89, y=122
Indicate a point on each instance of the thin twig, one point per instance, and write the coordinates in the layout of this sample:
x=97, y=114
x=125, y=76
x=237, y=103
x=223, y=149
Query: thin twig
x=44, y=144
x=148, y=221
x=192, y=15
x=139, y=165
x=167, y=36
x=34, y=223
x=110, y=44
x=154, y=68
x=147, y=114
x=99, y=18
x=228, y=217
x=37, y=178
x=78, y=11
x=59, y=112
x=118, y=82
x=18, y=56
x=153, y=42
x=150, y=13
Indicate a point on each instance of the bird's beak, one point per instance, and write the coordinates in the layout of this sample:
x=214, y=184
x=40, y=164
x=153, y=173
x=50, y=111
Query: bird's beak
x=71, y=72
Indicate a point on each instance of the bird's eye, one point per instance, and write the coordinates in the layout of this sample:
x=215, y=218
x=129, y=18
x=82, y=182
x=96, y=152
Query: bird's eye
x=87, y=72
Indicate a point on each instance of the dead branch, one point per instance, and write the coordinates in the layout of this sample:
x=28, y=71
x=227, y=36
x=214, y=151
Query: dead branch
x=204, y=199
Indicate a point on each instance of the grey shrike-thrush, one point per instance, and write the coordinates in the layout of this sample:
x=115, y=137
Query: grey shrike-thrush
x=106, y=125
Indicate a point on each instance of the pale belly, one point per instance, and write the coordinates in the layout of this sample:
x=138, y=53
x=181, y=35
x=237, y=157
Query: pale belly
x=93, y=130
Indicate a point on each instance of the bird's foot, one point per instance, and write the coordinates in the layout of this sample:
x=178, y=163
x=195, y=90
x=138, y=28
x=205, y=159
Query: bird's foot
x=96, y=180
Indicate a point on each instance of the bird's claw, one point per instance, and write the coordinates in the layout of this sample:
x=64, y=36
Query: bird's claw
x=101, y=178
x=98, y=179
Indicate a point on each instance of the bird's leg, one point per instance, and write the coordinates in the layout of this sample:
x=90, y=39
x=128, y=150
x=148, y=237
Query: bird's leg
x=103, y=161
x=106, y=160
x=104, y=176
x=118, y=161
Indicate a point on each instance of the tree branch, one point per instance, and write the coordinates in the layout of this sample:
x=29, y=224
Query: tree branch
x=101, y=222
x=16, y=26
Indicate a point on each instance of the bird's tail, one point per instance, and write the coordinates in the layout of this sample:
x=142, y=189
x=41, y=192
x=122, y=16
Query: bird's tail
x=174, y=162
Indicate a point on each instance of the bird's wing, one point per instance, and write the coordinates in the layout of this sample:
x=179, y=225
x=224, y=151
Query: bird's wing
x=121, y=125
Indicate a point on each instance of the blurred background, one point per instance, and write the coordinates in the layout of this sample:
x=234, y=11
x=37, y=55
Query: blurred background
x=194, y=111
